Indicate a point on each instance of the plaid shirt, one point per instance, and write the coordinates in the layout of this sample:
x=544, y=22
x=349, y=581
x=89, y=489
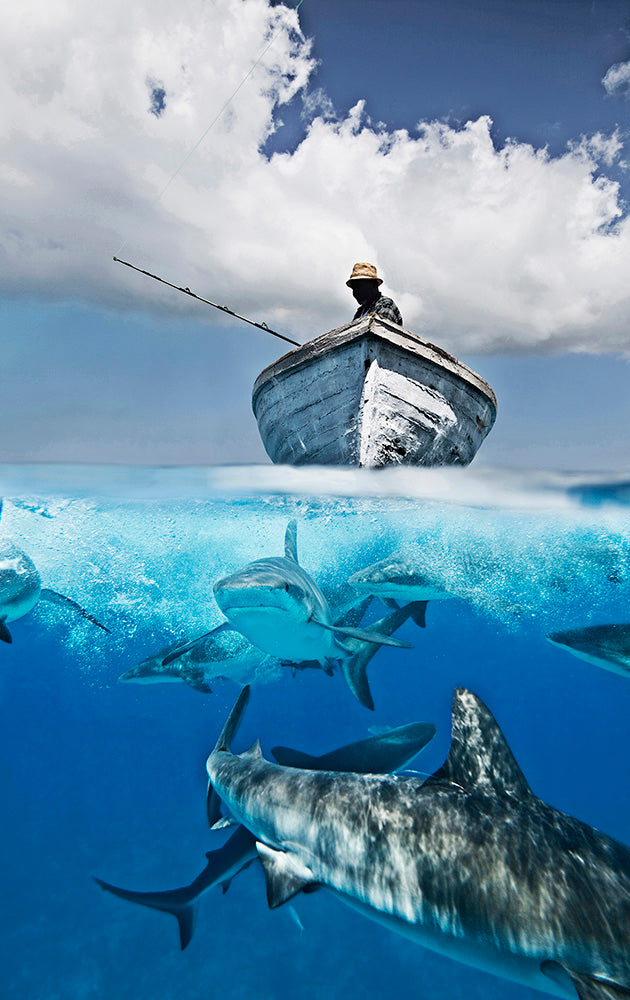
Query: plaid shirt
x=382, y=306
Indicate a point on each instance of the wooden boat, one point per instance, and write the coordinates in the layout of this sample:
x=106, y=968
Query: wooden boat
x=371, y=394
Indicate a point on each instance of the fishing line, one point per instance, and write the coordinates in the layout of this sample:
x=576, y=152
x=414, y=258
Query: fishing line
x=211, y=125
x=208, y=302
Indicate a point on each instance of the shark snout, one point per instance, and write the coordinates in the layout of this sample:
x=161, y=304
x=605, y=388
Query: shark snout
x=256, y=590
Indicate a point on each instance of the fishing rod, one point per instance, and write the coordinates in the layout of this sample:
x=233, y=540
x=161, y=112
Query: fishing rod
x=208, y=302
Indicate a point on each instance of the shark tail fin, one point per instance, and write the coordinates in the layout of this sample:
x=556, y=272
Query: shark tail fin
x=416, y=610
x=354, y=669
x=172, y=901
x=222, y=865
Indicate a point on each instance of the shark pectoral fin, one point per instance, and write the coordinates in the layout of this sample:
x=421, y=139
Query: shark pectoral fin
x=295, y=758
x=213, y=807
x=365, y=635
x=66, y=602
x=224, y=822
x=380, y=754
x=195, y=678
x=354, y=670
x=5, y=635
x=180, y=650
x=284, y=873
x=586, y=987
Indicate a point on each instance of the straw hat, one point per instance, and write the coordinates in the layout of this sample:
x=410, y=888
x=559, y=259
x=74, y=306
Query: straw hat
x=362, y=272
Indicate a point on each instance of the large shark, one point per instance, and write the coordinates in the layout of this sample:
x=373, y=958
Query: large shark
x=394, y=580
x=227, y=654
x=468, y=862
x=279, y=608
x=384, y=753
x=21, y=589
x=606, y=646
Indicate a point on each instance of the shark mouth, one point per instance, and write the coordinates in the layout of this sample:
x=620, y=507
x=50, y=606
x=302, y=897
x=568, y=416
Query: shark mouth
x=273, y=599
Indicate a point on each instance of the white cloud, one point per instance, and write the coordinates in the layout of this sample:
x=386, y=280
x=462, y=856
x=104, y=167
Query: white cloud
x=617, y=80
x=484, y=248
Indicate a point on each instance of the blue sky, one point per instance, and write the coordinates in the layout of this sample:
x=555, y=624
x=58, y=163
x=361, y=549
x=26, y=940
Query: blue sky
x=478, y=153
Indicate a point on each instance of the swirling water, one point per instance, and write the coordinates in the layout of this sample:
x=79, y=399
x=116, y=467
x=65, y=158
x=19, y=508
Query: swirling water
x=108, y=779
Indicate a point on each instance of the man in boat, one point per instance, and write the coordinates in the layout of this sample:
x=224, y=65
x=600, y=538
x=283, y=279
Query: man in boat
x=364, y=282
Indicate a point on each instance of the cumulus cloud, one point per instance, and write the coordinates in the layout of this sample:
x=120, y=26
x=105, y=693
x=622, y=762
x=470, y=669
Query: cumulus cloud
x=484, y=247
x=617, y=80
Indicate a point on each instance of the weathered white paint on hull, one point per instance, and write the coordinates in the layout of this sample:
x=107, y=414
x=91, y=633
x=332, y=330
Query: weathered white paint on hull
x=372, y=394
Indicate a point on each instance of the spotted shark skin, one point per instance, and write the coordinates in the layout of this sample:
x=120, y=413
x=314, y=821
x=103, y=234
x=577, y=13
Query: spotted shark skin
x=468, y=862
x=388, y=751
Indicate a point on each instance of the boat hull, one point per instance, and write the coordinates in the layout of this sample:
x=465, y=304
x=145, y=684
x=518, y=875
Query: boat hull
x=371, y=394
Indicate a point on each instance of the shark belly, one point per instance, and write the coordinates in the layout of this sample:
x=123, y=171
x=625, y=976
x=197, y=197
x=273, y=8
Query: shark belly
x=505, y=964
x=276, y=631
x=613, y=662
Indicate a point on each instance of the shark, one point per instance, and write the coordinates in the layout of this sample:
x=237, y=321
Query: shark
x=21, y=589
x=606, y=646
x=279, y=608
x=226, y=654
x=386, y=752
x=393, y=580
x=468, y=862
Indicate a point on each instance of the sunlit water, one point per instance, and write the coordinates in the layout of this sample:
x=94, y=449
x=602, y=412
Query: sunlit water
x=101, y=778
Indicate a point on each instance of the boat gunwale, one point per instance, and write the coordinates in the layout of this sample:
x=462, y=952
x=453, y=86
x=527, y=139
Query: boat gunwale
x=380, y=329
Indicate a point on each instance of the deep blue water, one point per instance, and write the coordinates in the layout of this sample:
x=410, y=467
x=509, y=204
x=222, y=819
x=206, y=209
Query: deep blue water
x=106, y=779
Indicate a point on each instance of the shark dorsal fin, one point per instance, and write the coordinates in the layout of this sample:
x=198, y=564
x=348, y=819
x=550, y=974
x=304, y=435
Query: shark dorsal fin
x=479, y=754
x=254, y=751
x=290, y=541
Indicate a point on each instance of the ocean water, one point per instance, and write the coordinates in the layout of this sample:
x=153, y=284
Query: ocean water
x=107, y=779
